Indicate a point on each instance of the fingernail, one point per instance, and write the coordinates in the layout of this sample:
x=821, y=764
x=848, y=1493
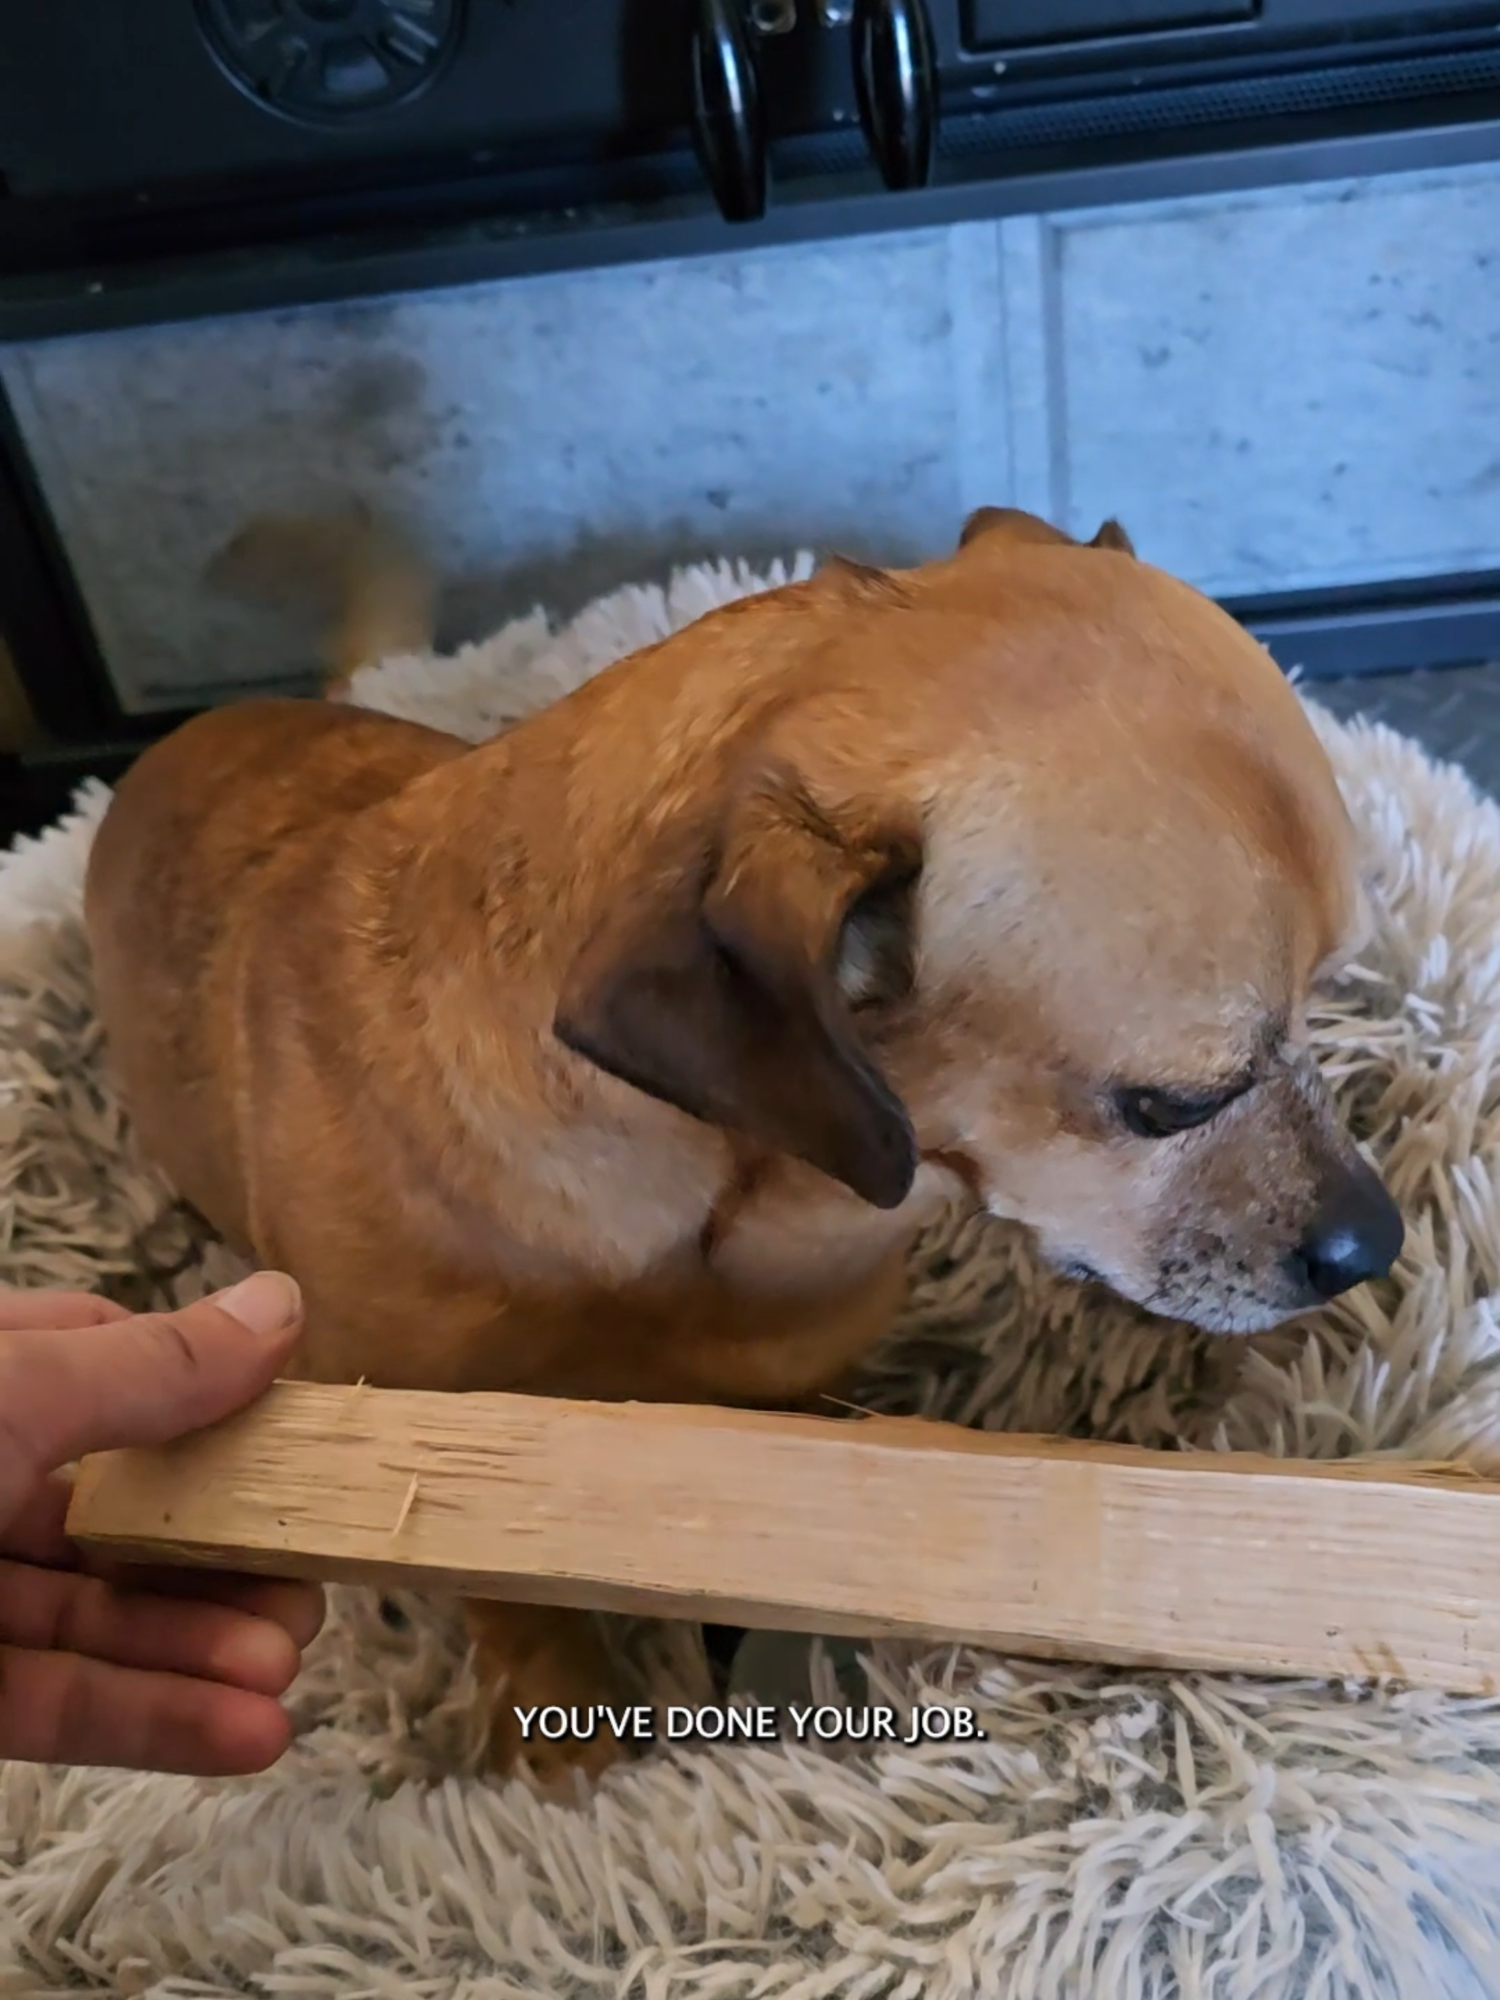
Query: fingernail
x=266, y=1303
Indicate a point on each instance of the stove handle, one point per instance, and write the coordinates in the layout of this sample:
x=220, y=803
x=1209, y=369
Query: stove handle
x=729, y=126
x=895, y=82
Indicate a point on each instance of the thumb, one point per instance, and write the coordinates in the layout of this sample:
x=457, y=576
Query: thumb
x=137, y=1381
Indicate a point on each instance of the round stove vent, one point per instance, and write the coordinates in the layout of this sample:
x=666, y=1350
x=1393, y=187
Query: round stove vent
x=321, y=62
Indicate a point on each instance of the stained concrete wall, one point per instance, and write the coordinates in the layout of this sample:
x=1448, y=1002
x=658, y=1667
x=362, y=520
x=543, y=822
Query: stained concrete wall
x=1274, y=390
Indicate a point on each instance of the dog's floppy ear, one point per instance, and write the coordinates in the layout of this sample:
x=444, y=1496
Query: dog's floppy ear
x=731, y=991
x=1013, y=524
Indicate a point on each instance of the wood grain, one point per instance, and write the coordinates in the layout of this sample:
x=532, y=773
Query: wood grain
x=1037, y=1546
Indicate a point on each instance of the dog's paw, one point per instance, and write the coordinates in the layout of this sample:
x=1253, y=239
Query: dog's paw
x=539, y=1665
x=558, y=1768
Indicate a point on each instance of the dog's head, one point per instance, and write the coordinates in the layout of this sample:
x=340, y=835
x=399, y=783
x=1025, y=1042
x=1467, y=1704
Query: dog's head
x=1024, y=863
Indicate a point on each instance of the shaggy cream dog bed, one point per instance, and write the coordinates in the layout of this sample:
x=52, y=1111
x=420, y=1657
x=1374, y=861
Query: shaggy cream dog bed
x=1118, y=1837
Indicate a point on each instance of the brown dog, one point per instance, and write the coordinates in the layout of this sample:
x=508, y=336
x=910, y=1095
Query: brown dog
x=622, y=1055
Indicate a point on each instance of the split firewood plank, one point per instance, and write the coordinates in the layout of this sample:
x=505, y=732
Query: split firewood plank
x=1036, y=1546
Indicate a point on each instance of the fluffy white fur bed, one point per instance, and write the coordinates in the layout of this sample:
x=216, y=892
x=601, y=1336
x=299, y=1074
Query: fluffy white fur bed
x=1119, y=1836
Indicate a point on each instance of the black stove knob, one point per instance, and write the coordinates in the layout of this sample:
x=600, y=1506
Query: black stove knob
x=324, y=62
x=895, y=82
x=729, y=126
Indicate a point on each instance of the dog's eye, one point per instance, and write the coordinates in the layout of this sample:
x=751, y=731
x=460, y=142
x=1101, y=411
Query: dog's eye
x=1158, y=1114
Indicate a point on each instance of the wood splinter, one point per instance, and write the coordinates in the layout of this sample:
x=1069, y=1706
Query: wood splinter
x=406, y=1505
x=1036, y=1546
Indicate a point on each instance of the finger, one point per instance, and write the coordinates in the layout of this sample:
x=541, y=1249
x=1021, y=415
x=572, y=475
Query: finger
x=38, y=1534
x=48, y=1610
x=137, y=1381
x=38, y=1529
x=59, y=1310
x=60, y=1708
x=298, y=1608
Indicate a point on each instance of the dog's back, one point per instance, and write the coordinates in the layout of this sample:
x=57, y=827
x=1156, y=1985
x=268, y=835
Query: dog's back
x=236, y=792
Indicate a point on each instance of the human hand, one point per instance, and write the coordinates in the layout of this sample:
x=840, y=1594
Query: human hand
x=143, y=1670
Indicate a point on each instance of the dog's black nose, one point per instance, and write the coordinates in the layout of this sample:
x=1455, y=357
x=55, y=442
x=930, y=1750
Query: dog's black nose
x=1356, y=1235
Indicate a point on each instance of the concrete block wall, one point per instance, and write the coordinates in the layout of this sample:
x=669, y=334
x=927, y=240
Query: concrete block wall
x=1275, y=390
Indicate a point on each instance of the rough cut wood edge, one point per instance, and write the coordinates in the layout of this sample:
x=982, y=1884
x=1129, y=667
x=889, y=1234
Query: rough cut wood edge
x=1036, y=1546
